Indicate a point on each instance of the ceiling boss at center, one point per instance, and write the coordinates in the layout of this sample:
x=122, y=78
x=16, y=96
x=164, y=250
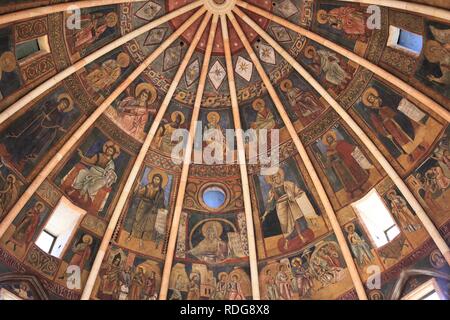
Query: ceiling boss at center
x=220, y=6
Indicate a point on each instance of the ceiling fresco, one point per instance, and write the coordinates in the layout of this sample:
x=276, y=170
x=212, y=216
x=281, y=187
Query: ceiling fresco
x=100, y=138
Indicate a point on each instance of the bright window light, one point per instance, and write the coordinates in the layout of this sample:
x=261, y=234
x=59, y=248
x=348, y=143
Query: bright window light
x=429, y=290
x=45, y=241
x=6, y=295
x=376, y=218
x=405, y=40
x=60, y=227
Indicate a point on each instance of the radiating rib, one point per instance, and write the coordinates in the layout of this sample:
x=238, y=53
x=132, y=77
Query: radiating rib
x=186, y=162
x=401, y=185
x=54, y=8
x=139, y=161
x=436, y=107
x=253, y=259
x=30, y=96
x=68, y=146
x=408, y=6
x=306, y=160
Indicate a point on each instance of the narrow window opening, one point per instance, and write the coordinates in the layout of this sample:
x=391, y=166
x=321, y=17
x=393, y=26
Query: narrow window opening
x=46, y=241
x=32, y=47
x=405, y=40
x=59, y=229
x=377, y=219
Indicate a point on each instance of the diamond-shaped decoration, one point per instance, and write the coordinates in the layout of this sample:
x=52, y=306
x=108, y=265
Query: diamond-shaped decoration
x=267, y=54
x=155, y=36
x=172, y=57
x=148, y=11
x=281, y=34
x=287, y=8
x=217, y=74
x=192, y=72
x=244, y=68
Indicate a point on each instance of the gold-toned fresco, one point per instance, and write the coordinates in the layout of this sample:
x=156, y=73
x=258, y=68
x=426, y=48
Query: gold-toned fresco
x=211, y=256
x=298, y=255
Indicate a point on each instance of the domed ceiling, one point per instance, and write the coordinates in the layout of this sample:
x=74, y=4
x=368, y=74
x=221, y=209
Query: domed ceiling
x=339, y=107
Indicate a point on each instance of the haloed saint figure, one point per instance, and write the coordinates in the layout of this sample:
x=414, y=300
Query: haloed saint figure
x=27, y=138
x=289, y=202
x=151, y=203
x=89, y=183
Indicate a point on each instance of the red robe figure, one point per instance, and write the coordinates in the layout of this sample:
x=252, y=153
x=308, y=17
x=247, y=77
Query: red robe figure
x=340, y=159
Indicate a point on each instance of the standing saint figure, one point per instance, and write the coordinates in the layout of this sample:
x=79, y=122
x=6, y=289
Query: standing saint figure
x=359, y=246
x=220, y=290
x=133, y=112
x=303, y=277
x=163, y=137
x=346, y=19
x=9, y=193
x=214, y=133
x=94, y=174
x=137, y=284
x=271, y=286
x=104, y=76
x=304, y=103
x=341, y=159
x=391, y=124
x=151, y=200
x=81, y=254
x=150, y=286
x=212, y=248
x=93, y=26
x=42, y=129
x=234, y=288
x=283, y=283
x=401, y=212
x=194, y=287
x=264, y=117
x=291, y=204
x=23, y=234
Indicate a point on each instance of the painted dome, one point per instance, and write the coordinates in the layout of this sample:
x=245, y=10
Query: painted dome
x=223, y=149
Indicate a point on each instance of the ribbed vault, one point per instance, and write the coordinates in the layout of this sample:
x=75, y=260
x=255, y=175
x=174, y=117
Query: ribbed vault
x=87, y=120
